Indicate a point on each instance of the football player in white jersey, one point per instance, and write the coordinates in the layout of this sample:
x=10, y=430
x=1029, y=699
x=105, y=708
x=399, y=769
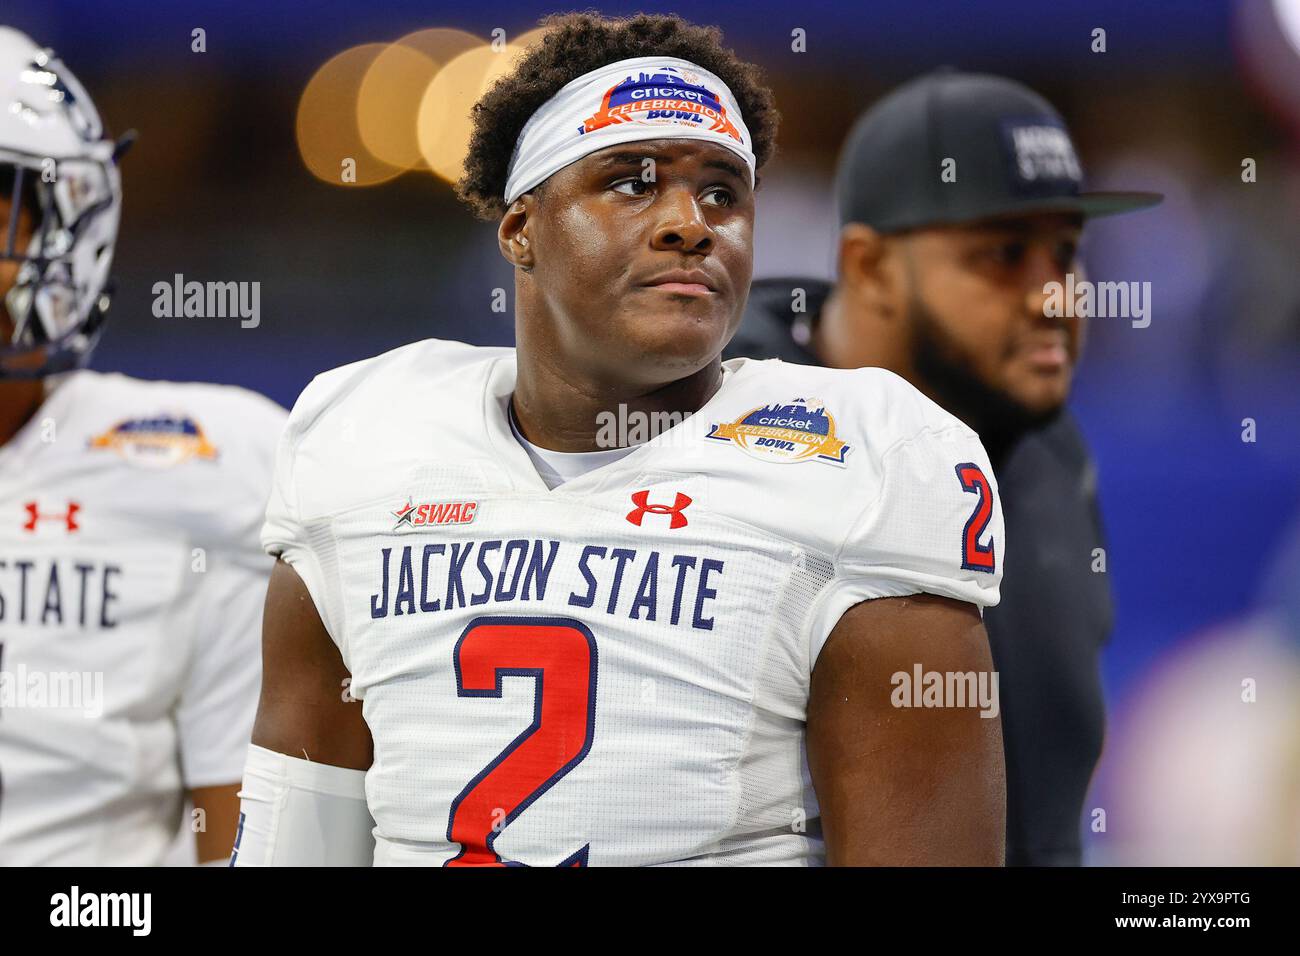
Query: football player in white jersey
x=493, y=639
x=131, y=580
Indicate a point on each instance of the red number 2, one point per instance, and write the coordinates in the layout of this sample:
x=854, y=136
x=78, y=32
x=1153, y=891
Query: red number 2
x=976, y=556
x=560, y=655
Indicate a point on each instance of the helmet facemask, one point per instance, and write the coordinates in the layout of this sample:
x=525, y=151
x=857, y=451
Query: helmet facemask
x=72, y=197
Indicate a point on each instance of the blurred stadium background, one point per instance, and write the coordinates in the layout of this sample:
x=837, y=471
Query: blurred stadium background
x=236, y=178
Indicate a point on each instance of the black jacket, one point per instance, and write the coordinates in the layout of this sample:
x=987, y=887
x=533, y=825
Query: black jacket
x=1055, y=614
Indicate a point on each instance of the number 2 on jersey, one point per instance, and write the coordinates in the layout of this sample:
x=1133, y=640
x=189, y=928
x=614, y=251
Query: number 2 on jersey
x=560, y=655
x=976, y=556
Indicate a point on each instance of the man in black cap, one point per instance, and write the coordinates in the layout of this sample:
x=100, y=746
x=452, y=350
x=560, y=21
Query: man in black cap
x=960, y=202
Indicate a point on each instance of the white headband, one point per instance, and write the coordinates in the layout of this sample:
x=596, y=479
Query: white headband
x=649, y=97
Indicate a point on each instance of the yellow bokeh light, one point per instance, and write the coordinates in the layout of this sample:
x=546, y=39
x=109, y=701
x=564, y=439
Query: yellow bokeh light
x=390, y=94
x=326, y=125
x=444, y=125
x=378, y=109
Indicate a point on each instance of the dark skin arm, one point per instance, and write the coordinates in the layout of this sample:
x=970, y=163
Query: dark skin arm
x=302, y=711
x=905, y=786
x=220, y=806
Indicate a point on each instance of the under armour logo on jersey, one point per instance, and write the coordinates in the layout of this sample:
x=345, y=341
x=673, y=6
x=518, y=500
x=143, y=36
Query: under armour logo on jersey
x=34, y=515
x=641, y=500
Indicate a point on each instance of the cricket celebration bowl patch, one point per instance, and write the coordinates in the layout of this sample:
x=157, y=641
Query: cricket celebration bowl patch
x=157, y=442
x=786, y=432
x=666, y=95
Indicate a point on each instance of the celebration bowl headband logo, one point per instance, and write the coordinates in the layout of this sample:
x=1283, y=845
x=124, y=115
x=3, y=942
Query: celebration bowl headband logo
x=798, y=430
x=669, y=95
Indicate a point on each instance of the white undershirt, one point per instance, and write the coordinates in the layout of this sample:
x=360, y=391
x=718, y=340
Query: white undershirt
x=557, y=467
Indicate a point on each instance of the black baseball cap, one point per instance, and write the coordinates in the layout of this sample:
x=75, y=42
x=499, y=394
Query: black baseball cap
x=1010, y=154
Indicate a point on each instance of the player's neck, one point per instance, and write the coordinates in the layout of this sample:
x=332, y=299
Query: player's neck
x=19, y=400
x=558, y=410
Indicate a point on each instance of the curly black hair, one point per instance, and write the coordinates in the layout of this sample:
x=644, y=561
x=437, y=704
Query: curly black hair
x=576, y=43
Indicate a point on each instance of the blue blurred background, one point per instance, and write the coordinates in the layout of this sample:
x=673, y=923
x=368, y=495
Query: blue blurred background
x=217, y=189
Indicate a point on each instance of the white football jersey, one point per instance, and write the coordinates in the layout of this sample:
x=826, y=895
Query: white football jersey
x=615, y=671
x=131, y=592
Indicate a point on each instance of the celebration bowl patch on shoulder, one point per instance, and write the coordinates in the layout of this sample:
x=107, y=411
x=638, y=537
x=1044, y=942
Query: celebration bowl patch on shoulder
x=160, y=441
x=785, y=432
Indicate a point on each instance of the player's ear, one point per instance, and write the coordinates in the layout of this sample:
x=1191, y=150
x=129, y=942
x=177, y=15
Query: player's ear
x=512, y=234
x=863, y=267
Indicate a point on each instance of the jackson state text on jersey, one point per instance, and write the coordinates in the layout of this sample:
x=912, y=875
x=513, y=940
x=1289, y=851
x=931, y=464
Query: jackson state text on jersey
x=616, y=671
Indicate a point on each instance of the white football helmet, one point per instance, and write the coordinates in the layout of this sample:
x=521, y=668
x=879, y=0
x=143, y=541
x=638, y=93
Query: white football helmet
x=56, y=162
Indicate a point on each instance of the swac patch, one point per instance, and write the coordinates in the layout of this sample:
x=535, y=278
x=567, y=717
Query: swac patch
x=158, y=442
x=411, y=515
x=668, y=95
x=798, y=430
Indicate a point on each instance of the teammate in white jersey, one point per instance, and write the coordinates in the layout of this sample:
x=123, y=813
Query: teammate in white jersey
x=494, y=640
x=131, y=579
